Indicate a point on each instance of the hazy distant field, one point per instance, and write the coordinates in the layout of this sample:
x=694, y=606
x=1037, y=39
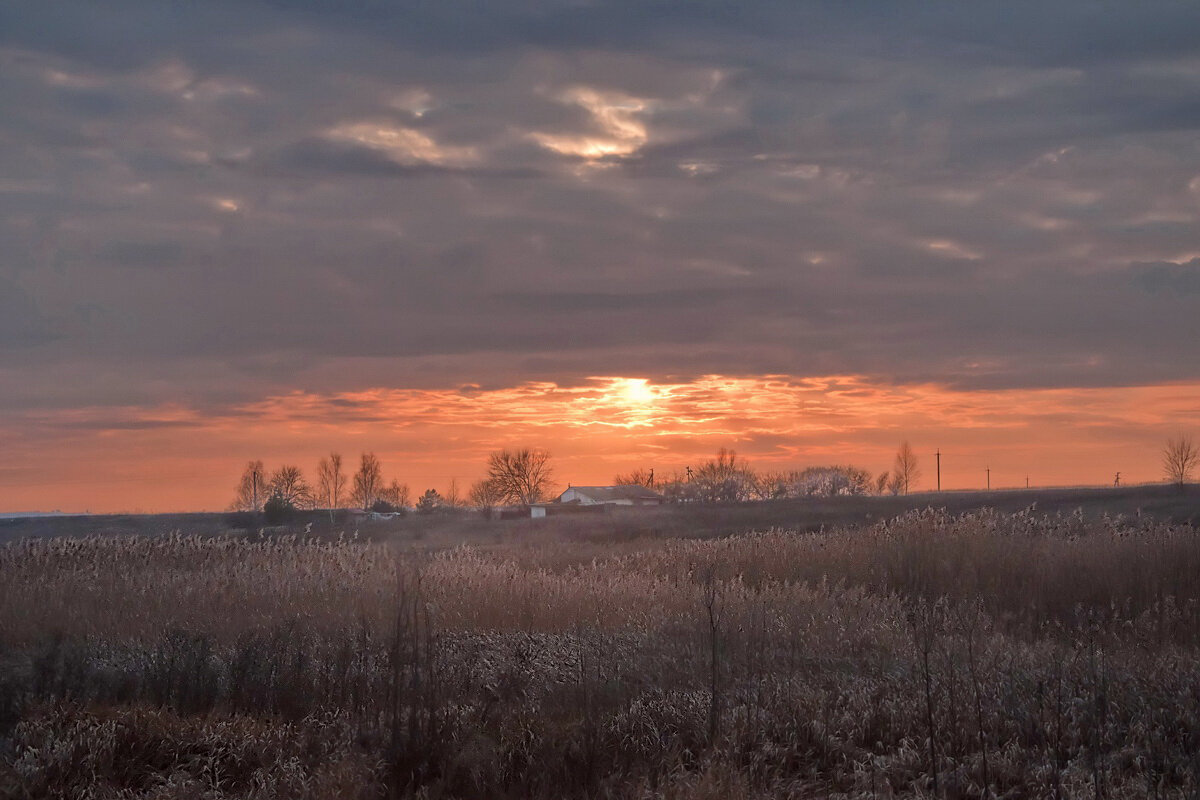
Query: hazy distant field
x=686, y=521
x=932, y=655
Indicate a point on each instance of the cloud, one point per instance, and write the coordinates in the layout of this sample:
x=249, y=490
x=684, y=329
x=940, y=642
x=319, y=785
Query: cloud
x=22, y=325
x=250, y=198
x=619, y=130
x=1169, y=278
x=400, y=144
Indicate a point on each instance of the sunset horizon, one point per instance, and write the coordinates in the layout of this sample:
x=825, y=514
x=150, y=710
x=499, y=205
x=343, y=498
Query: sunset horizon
x=628, y=236
x=599, y=427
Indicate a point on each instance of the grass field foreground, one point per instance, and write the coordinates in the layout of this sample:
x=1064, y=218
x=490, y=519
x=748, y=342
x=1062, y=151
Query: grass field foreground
x=933, y=655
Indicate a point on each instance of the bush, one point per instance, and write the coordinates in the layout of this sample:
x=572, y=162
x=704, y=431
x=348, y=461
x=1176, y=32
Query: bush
x=278, y=511
x=384, y=507
x=430, y=502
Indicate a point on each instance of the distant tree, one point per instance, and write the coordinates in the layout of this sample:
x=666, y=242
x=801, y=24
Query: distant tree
x=724, y=479
x=832, y=481
x=396, y=494
x=429, y=502
x=368, y=481
x=826, y=481
x=288, y=484
x=331, y=482
x=907, y=466
x=520, y=476
x=484, y=496
x=774, y=486
x=1180, y=457
x=678, y=488
x=881, y=483
x=453, y=497
x=278, y=510
x=252, y=490
x=639, y=477
x=895, y=484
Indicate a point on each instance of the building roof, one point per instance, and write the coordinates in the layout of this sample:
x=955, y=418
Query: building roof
x=609, y=494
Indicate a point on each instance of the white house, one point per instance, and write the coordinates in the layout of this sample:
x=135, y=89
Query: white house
x=629, y=495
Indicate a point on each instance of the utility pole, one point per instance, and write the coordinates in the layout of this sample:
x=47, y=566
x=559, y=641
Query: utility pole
x=689, y=474
x=1117, y=481
x=939, y=468
x=1026, y=481
x=989, y=477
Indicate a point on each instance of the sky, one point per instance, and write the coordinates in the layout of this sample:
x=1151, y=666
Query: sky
x=629, y=233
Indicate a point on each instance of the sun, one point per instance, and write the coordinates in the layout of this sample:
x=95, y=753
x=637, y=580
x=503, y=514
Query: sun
x=636, y=391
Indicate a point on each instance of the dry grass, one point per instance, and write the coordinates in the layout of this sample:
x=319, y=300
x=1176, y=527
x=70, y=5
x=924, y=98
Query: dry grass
x=934, y=655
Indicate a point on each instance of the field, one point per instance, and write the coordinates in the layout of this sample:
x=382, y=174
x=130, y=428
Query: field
x=682, y=521
x=691, y=653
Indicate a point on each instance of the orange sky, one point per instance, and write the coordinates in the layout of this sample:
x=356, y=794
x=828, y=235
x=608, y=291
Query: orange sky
x=165, y=458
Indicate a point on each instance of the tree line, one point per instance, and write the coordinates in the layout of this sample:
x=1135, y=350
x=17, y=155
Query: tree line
x=288, y=488
x=514, y=477
x=729, y=479
x=524, y=476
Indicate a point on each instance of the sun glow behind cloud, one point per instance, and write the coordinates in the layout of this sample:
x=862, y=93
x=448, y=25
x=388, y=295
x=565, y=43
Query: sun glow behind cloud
x=120, y=458
x=402, y=145
x=616, y=116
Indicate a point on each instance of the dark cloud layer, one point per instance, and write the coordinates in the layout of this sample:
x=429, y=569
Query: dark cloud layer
x=211, y=202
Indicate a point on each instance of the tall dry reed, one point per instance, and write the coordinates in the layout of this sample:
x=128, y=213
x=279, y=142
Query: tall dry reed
x=932, y=655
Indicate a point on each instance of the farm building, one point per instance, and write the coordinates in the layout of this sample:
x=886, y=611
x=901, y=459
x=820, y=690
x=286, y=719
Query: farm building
x=596, y=499
x=629, y=495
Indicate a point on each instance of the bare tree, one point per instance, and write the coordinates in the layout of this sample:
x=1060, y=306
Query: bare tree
x=881, y=483
x=368, y=481
x=678, y=488
x=485, y=495
x=907, y=466
x=1180, y=457
x=331, y=481
x=724, y=479
x=395, y=495
x=453, y=497
x=252, y=489
x=520, y=476
x=288, y=484
x=639, y=477
x=774, y=485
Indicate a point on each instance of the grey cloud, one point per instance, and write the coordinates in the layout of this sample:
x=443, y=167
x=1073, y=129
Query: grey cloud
x=122, y=425
x=707, y=299
x=833, y=188
x=142, y=254
x=1168, y=278
x=22, y=325
x=318, y=155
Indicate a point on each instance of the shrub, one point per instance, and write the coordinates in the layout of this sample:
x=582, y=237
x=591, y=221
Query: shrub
x=278, y=510
x=384, y=507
